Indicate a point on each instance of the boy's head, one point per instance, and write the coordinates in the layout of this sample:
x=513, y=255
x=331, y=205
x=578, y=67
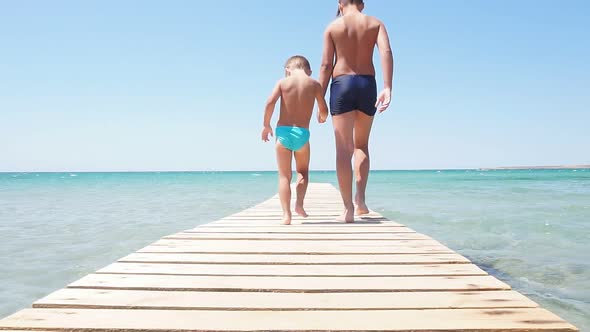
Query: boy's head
x=360, y=4
x=297, y=62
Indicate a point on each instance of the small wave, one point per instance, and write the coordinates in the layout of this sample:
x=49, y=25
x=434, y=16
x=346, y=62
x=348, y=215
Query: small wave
x=256, y=174
x=73, y=175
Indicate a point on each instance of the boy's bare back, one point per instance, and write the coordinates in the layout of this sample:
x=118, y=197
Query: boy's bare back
x=298, y=95
x=354, y=37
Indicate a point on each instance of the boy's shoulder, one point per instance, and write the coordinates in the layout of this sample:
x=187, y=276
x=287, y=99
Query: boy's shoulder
x=309, y=84
x=316, y=85
x=290, y=79
x=316, y=82
x=312, y=81
x=335, y=24
x=281, y=82
x=338, y=22
x=374, y=20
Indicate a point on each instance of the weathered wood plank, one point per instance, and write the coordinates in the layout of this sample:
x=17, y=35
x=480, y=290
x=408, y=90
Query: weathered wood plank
x=518, y=319
x=292, y=250
x=295, y=270
x=295, y=223
x=296, y=236
x=317, y=215
x=326, y=223
x=173, y=300
x=3, y=330
x=269, y=222
x=302, y=229
x=298, y=247
x=303, y=259
x=277, y=221
x=257, y=243
x=289, y=284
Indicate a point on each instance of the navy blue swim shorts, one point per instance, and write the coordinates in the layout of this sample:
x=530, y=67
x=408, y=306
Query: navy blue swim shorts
x=353, y=93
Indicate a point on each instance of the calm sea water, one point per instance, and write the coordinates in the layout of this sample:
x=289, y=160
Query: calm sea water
x=528, y=228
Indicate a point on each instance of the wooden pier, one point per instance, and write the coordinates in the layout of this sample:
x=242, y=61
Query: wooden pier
x=246, y=272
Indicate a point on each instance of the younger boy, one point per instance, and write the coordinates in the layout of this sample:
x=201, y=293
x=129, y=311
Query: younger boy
x=298, y=93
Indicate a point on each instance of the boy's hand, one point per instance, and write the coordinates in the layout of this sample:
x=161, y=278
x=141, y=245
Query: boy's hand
x=383, y=100
x=322, y=116
x=265, y=132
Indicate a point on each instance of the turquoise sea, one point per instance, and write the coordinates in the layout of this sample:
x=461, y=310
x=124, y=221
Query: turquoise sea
x=530, y=228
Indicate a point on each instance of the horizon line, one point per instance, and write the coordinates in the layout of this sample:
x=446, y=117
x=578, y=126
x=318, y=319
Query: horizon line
x=313, y=170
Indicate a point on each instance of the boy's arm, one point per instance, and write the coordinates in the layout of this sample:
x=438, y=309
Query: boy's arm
x=327, y=61
x=269, y=109
x=386, y=56
x=322, y=106
x=387, y=65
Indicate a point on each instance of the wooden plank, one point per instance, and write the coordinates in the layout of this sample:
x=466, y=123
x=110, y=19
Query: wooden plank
x=289, y=284
x=318, y=216
x=209, y=228
x=273, y=216
x=296, y=236
x=188, y=249
x=296, y=223
x=277, y=221
x=257, y=243
x=517, y=319
x=299, y=226
x=324, y=208
x=310, y=220
x=361, y=260
x=326, y=204
x=295, y=270
x=270, y=222
x=329, y=219
x=297, y=247
x=172, y=300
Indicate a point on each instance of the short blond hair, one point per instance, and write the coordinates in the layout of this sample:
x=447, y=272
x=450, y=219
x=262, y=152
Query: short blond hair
x=298, y=62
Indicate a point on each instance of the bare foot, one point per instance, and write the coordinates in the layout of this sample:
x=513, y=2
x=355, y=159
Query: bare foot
x=347, y=216
x=301, y=211
x=361, y=208
x=286, y=218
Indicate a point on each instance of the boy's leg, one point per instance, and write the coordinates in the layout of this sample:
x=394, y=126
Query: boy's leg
x=362, y=130
x=302, y=168
x=343, y=130
x=284, y=157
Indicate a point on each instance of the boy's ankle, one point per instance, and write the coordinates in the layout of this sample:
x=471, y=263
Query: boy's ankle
x=349, y=207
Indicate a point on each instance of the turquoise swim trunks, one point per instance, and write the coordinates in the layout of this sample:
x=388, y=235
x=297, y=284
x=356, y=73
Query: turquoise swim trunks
x=292, y=138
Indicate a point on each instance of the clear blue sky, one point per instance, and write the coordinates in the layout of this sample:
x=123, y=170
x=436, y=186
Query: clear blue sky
x=180, y=85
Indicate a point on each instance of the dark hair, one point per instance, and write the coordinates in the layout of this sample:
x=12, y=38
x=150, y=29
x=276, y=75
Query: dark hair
x=348, y=2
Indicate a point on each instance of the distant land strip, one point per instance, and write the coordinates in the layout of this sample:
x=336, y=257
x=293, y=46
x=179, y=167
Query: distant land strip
x=536, y=167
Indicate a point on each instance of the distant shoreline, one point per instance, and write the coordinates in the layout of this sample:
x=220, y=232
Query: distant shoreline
x=535, y=167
